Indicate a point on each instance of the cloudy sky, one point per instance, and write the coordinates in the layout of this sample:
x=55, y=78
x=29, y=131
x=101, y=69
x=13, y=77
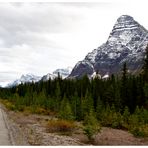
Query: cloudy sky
x=41, y=37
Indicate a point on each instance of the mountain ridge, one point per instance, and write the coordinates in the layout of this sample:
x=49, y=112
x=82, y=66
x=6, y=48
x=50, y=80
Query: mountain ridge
x=29, y=78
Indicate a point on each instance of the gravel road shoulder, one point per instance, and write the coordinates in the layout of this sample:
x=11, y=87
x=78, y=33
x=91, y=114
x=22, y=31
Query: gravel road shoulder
x=30, y=129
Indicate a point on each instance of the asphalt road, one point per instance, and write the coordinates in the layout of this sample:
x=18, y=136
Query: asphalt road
x=4, y=132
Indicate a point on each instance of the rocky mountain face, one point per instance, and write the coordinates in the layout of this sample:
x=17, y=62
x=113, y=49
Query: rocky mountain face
x=126, y=43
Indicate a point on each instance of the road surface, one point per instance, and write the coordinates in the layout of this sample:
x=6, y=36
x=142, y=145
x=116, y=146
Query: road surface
x=4, y=132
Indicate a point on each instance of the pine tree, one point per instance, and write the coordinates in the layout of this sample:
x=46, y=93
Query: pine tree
x=124, y=71
x=65, y=110
x=91, y=126
x=87, y=103
x=145, y=66
x=146, y=89
x=126, y=115
x=145, y=74
x=57, y=96
x=99, y=109
x=117, y=98
x=124, y=89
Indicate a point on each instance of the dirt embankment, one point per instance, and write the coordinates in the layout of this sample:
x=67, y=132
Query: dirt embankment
x=28, y=129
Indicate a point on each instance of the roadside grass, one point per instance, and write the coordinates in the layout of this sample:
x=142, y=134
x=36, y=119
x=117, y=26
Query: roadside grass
x=9, y=105
x=26, y=109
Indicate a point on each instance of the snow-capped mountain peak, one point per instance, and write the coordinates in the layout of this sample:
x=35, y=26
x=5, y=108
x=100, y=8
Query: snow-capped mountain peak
x=125, y=22
x=28, y=78
x=126, y=43
x=47, y=77
x=64, y=72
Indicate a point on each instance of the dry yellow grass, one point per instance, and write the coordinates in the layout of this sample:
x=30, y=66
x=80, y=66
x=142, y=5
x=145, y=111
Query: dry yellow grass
x=60, y=126
x=9, y=105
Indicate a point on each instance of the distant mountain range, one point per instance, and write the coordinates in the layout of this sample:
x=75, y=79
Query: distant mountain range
x=28, y=78
x=126, y=43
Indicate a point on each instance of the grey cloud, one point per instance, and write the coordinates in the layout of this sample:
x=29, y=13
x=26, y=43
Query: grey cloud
x=8, y=76
x=17, y=23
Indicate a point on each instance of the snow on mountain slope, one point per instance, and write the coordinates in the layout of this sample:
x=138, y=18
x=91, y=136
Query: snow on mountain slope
x=126, y=43
x=65, y=72
x=47, y=77
x=28, y=78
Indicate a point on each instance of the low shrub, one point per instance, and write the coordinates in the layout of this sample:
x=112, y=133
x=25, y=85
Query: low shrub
x=40, y=110
x=113, y=119
x=9, y=105
x=60, y=126
x=137, y=132
x=140, y=131
x=19, y=107
x=37, y=110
